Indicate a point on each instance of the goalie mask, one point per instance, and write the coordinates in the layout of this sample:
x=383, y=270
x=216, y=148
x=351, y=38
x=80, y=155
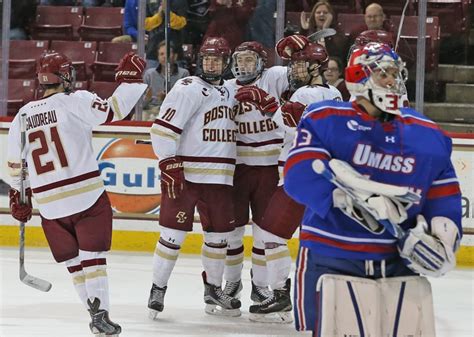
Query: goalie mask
x=56, y=68
x=307, y=65
x=248, y=61
x=368, y=36
x=377, y=73
x=214, y=58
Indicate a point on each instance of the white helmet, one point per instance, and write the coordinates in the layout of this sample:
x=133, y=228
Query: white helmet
x=368, y=67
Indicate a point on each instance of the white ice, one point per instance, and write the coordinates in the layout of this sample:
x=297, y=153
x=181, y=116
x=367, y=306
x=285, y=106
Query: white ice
x=26, y=312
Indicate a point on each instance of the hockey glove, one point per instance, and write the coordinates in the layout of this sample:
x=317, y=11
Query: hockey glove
x=431, y=254
x=172, y=177
x=130, y=69
x=369, y=208
x=266, y=103
x=21, y=212
x=291, y=113
x=290, y=44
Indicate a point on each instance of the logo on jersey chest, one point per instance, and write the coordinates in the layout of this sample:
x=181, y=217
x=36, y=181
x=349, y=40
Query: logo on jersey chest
x=365, y=156
x=355, y=126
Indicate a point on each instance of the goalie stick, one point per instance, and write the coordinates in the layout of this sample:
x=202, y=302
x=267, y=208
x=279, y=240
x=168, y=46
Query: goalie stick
x=26, y=278
x=319, y=167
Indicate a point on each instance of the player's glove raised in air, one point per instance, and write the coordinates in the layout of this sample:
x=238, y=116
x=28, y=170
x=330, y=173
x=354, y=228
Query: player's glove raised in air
x=21, y=212
x=431, y=254
x=172, y=177
x=290, y=44
x=291, y=113
x=130, y=69
x=266, y=103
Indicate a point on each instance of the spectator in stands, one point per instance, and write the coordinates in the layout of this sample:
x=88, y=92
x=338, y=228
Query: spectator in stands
x=322, y=16
x=156, y=78
x=375, y=19
x=261, y=27
x=22, y=15
x=229, y=19
x=333, y=76
x=198, y=20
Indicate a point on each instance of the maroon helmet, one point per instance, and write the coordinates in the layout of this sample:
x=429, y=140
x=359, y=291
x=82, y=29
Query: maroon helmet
x=315, y=59
x=248, y=72
x=380, y=36
x=55, y=68
x=214, y=46
x=312, y=52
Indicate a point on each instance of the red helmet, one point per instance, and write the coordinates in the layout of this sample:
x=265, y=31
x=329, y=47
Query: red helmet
x=214, y=46
x=55, y=68
x=312, y=52
x=246, y=73
x=380, y=36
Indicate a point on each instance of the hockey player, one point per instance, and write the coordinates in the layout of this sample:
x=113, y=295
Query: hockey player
x=63, y=175
x=351, y=262
x=283, y=215
x=194, y=138
x=259, y=142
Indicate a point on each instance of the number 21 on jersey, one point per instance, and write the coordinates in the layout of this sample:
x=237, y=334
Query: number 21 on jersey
x=45, y=147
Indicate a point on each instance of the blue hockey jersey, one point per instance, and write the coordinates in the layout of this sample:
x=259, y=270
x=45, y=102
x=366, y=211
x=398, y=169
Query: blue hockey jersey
x=409, y=151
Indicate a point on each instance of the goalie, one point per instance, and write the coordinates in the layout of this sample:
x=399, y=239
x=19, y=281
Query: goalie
x=383, y=207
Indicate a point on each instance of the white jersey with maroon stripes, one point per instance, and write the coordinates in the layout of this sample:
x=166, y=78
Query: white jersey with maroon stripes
x=304, y=95
x=259, y=139
x=196, y=122
x=62, y=168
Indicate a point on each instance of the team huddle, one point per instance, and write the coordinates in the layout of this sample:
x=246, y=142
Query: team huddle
x=369, y=183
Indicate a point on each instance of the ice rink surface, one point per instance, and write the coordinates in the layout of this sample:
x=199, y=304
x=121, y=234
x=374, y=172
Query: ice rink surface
x=26, y=312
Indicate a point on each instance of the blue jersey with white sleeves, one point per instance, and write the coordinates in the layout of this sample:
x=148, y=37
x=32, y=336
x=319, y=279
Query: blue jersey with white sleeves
x=408, y=151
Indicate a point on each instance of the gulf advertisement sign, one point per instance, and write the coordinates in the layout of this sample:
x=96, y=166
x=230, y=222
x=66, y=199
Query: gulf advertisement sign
x=131, y=176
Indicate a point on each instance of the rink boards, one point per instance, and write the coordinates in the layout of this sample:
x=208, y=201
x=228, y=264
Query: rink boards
x=129, y=169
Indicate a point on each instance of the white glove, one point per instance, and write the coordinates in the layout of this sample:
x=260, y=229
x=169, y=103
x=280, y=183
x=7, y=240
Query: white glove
x=368, y=209
x=431, y=254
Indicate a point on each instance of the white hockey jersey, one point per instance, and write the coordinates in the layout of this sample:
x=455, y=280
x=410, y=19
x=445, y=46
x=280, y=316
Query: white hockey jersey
x=259, y=139
x=196, y=122
x=62, y=169
x=304, y=95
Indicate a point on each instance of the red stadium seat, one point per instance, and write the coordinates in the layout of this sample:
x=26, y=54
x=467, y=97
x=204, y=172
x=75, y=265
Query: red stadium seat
x=393, y=7
x=57, y=23
x=103, y=89
x=346, y=23
x=108, y=57
x=346, y=6
x=23, y=57
x=293, y=18
x=409, y=37
x=101, y=23
x=20, y=92
x=81, y=53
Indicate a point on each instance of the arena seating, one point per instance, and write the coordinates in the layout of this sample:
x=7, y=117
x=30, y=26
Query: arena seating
x=23, y=56
x=20, y=92
x=409, y=37
x=101, y=23
x=103, y=89
x=392, y=7
x=57, y=23
x=108, y=57
x=81, y=53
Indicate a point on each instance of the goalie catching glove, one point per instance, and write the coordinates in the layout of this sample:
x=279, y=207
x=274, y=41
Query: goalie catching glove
x=172, y=177
x=21, y=212
x=431, y=254
x=130, y=69
x=266, y=103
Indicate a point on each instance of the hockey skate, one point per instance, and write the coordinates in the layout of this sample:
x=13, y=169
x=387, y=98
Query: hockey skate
x=260, y=294
x=233, y=289
x=101, y=325
x=156, y=301
x=275, y=309
x=218, y=303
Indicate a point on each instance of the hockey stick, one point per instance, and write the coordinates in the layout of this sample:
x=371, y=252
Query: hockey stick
x=319, y=167
x=26, y=278
x=321, y=34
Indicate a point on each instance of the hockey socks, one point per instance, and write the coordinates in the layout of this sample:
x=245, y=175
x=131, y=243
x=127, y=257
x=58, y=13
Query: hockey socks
x=96, y=283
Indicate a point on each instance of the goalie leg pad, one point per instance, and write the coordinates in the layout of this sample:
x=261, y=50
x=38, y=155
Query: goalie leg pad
x=398, y=306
